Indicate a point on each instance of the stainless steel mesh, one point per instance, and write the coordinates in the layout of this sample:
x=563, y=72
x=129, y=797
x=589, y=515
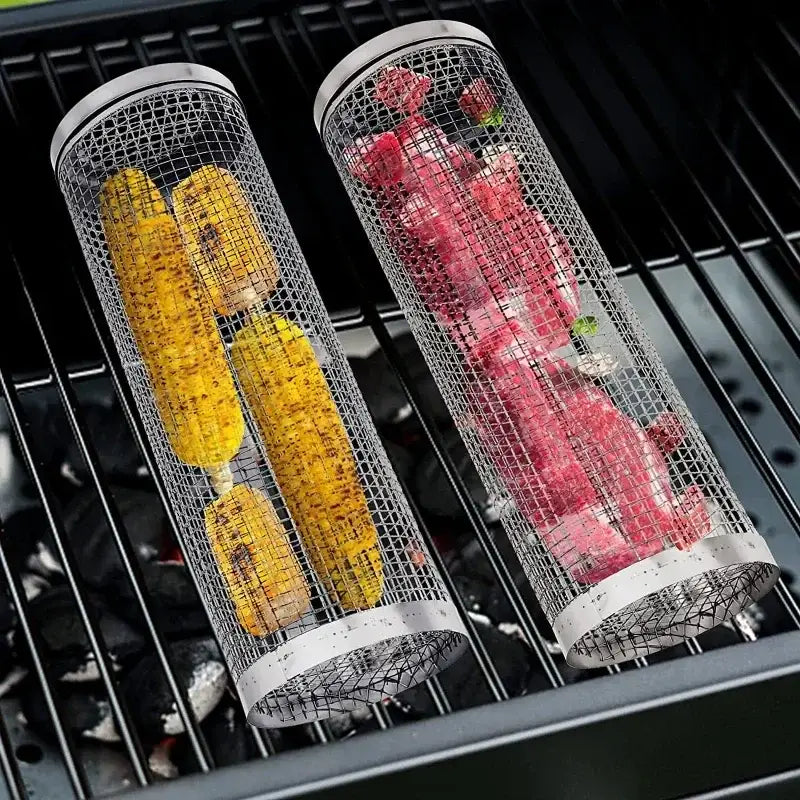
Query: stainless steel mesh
x=627, y=528
x=309, y=561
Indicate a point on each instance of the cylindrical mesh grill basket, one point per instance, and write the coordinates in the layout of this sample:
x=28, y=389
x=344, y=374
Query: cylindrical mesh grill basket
x=308, y=559
x=629, y=532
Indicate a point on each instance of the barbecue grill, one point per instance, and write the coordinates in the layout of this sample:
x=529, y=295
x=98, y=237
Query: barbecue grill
x=676, y=129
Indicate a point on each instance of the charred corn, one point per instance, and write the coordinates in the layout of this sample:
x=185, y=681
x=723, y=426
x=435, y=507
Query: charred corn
x=173, y=326
x=126, y=199
x=224, y=240
x=310, y=453
x=264, y=579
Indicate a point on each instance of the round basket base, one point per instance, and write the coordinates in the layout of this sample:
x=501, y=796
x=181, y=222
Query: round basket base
x=665, y=599
x=354, y=661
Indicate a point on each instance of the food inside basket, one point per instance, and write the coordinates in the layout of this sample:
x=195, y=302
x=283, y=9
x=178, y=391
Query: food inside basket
x=173, y=326
x=310, y=452
x=502, y=281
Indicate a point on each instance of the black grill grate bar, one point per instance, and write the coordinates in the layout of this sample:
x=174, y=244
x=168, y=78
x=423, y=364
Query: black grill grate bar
x=440, y=700
x=733, y=92
x=389, y=12
x=5, y=93
x=124, y=725
x=113, y=518
x=53, y=81
x=784, y=31
x=96, y=64
x=299, y=22
x=72, y=763
x=633, y=94
x=773, y=81
x=277, y=30
x=477, y=647
x=535, y=638
x=8, y=764
x=122, y=717
x=347, y=24
x=787, y=36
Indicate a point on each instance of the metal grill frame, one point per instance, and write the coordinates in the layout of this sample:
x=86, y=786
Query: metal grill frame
x=639, y=709
x=665, y=594
x=171, y=115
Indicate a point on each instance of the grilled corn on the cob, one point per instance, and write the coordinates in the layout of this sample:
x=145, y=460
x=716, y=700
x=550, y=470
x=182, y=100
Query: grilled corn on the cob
x=310, y=452
x=173, y=326
x=264, y=579
x=224, y=240
x=127, y=198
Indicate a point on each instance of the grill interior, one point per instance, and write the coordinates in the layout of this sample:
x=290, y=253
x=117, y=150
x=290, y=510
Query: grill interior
x=680, y=146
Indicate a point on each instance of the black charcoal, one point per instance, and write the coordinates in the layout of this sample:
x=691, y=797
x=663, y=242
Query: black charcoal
x=93, y=544
x=87, y=713
x=463, y=682
x=385, y=398
x=480, y=588
x=401, y=459
x=108, y=432
x=29, y=543
x=113, y=441
x=348, y=724
x=198, y=667
x=66, y=646
x=433, y=491
x=174, y=602
x=228, y=735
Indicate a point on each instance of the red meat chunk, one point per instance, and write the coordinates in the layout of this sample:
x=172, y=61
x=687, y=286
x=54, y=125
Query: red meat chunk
x=479, y=102
x=376, y=160
x=497, y=188
x=667, y=431
x=401, y=89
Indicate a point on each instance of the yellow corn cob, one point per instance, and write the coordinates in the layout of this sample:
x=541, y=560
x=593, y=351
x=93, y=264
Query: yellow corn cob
x=310, y=452
x=224, y=240
x=173, y=326
x=264, y=579
x=129, y=197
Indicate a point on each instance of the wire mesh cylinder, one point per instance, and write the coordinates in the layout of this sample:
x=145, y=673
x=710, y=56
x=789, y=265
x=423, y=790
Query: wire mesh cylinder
x=308, y=559
x=627, y=528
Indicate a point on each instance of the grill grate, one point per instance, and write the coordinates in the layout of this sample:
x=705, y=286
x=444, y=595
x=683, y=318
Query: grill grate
x=651, y=188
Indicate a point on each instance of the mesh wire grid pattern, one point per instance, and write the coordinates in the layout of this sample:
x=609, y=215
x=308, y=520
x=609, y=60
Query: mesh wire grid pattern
x=179, y=219
x=565, y=407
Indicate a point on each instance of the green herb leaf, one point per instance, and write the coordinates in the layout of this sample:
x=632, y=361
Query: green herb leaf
x=492, y=119
x=585, y=326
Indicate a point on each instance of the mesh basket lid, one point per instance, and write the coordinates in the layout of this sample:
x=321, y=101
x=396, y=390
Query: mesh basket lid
x=102, y=100
x=383, y=48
